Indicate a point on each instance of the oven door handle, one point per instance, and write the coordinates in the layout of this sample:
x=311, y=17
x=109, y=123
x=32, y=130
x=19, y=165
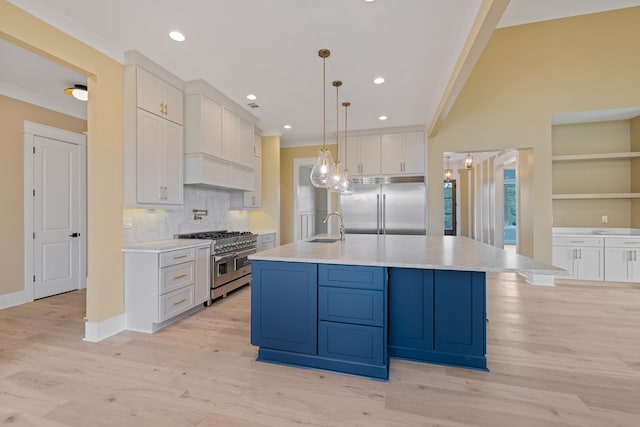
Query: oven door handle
x=246, y=252
x=218, y=258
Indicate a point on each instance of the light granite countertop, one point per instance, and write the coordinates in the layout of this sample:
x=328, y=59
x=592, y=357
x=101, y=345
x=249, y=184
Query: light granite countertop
x=429, y=252
x=595, y=232
x=165, y=245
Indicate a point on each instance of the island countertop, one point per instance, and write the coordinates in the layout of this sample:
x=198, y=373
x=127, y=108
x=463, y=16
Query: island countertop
x=424, y=252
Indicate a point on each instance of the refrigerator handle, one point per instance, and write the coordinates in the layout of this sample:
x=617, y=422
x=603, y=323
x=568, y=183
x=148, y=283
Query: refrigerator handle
x=384, y=214
x=377, y=213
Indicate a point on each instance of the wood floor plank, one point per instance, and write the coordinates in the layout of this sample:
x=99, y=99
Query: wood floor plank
x=558, y=356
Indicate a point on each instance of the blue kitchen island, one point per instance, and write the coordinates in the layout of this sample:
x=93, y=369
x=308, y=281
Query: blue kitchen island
x=348, y=306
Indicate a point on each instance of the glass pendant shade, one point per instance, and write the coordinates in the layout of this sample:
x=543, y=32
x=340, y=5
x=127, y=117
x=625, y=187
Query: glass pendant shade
x=345, y=184
x=323, y=170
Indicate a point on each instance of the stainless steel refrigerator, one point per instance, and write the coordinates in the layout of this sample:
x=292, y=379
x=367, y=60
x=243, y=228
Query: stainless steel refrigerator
x=386, y=205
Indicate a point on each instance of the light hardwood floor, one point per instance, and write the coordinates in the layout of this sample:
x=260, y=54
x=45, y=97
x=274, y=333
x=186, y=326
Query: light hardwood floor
x=558, y=356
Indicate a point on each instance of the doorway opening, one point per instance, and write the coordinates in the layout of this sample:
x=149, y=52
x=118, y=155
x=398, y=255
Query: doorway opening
x=310, y=204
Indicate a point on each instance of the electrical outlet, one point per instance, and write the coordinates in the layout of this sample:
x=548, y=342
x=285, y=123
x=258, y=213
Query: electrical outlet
x=605, y=219
x=127, y=222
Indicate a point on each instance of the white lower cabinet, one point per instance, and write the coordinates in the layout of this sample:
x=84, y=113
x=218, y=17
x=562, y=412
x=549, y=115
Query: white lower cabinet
x=266, y=241
x=164, y=283
x=621, y=259
x=583, y=258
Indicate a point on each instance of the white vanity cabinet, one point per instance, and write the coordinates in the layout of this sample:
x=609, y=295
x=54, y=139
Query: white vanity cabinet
x=582, y=257
x=165, y=281
x=153, y=136
x=621, y=259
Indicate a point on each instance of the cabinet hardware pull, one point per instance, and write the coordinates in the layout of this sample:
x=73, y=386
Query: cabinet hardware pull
x=180, y=276
x=161, y=108
x=183, y=300
x=179, y=256
x=166, y=109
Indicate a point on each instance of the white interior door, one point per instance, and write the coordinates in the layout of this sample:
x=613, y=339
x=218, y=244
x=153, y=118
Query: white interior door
x=57, y=224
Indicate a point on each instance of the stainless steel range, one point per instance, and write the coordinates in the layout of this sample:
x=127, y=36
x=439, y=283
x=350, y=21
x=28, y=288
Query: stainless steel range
x=230, y=265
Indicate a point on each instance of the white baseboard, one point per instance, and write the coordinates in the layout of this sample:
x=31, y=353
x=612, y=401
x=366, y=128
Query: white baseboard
x=539, y=279
x=15, y=298
x=97, y=331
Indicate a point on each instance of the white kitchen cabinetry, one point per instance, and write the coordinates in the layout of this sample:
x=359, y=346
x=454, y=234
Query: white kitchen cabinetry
x=363, y=155
x=621, y=259
x=159, y=97
x=266, y=241
x=402, y=154
x=165, y=282
x=251, y=199
x=154, y=138
x=582, y=257
x=159, y=175
x=219, y=145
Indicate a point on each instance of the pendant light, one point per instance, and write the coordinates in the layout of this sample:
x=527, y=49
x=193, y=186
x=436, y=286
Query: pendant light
x=448, y=173
x=78, y=92
x=346, y=185
x=468, y=162
x=336, y=178
x=324, y=168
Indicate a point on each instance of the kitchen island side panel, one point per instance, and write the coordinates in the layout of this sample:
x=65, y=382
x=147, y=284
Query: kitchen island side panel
x=284, y=306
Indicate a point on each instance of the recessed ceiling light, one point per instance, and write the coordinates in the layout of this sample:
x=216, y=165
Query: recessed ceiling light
x=382, y=118
x=252, y=97
x=177, y=36
x=287, y=126
x=369, y=1
x=378, y=80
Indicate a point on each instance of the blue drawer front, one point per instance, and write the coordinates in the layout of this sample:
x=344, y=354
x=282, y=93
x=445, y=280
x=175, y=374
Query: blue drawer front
x=352, y=276
x=355, y=343
x=284, y=306
x=361, y=306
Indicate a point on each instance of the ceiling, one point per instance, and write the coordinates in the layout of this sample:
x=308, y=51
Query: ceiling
x=269, y=48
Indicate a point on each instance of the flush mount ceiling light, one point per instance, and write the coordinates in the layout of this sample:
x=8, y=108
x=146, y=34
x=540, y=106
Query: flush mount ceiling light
x=78, y=92
x=378, y=80
x=251, y=97
x=324, y=168
x=382, y=118
x=177, y=36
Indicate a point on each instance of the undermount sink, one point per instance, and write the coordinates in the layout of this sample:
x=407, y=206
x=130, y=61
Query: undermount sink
x=323, y=240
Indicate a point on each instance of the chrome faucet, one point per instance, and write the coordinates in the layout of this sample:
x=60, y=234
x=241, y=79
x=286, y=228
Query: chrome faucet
x=326, y=218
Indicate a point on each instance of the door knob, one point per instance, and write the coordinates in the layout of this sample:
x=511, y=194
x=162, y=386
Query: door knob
x=74, y=234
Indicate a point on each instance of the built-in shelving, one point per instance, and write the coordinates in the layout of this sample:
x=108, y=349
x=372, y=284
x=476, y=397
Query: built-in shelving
x=595, y=156
x=578, y=196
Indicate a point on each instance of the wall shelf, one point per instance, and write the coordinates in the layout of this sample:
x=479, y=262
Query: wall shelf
x=595, y=196
x=595, y=156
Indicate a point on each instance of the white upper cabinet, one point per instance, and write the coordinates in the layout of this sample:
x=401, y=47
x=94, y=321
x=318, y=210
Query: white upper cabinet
x=363, y=155
x=402, y=154
x=154, y=138
x=219, y=140
x=159, y=97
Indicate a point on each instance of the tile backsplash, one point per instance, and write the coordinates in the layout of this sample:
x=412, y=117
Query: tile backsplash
x=161, y=224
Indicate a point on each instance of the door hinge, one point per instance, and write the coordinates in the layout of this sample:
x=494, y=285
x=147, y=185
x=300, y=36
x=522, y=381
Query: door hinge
x=34, y=150
x=34, y=235
x=34, y=193
x=34, y=277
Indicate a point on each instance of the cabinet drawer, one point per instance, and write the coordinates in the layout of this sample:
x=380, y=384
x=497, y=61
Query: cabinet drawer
x=177, y=257
x=267, y=238
x=351, y=276
x=176, y=276
x=578, y=241
x=364, y=307
x=355, y=343
x=622, y=242
x=174, y=303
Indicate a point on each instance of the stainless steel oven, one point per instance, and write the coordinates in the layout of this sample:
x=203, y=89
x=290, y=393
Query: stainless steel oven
x=230, y=265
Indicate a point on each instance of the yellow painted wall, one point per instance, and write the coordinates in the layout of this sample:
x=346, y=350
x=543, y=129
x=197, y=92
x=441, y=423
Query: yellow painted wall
x=593, y=176
x=634, y=142
x=105, y=289
x=525, y=75
x=266, y=219
x=13, y=113
x=287, y=156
